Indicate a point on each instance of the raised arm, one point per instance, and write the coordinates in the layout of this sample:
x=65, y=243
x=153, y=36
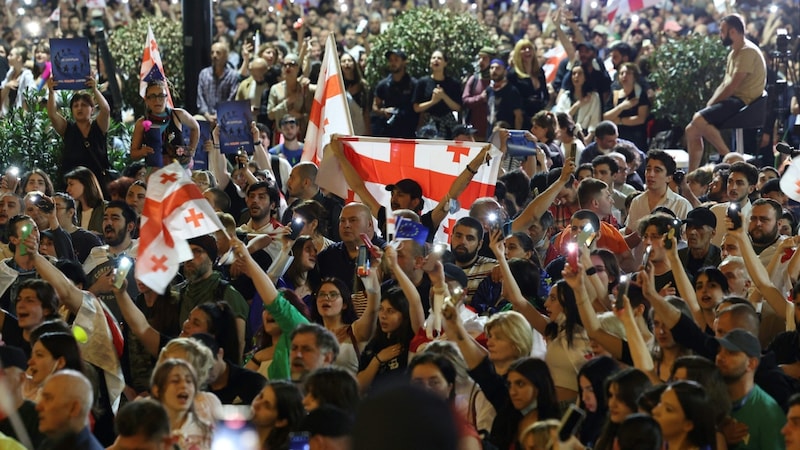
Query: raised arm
x=510, y=287
x=68, y=294
x=216, y=160
x=415, y=309
x=668, y=313
x=58, y=121
x=194, y=128
x=683, y=284
x=136, y=320
x=539, y=205
x=642, y=359
x=264, y=286
x=104, y=111
x=336, y=147
x=364, y=326
x=462, y=181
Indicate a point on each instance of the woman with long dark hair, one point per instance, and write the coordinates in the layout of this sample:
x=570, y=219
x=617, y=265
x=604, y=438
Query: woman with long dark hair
x=84, y=187
x=358, y=93
x=277, y=411
x=437, y=96
x=18, y=81
x=161, y=130
x=582, y=102
x=686, y=417
x=622, y=390
x=630, y=107
x=591, y=382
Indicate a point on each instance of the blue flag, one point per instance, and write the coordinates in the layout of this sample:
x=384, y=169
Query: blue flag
x=154, y=74
x=234, y=127
x=70, y=62
x=408, y=229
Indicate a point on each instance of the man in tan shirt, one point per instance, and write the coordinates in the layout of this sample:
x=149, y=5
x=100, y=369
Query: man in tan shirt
x=745, y=78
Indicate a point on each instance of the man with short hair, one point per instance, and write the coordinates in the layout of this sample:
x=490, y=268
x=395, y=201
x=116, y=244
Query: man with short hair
x=504, y=100
x=302, y=186
x=19, y=267
x=43, y=211
x=594, y=195
x=231, y=383
x=474, y=98
x=660, y=167
x=216, y=83
x=263, y=201
x=605, y=168
x=65, y=402
x=742, y=180
x=393, y=110
x=291, y=148
x=465, y=242
x=701, y=225
x=329, y=428
x=254, y=86
x=313, y=346
x=754, y=411
x=745, y=78
x=143, y=424
x=119, y=221
x=203, y=285
x=595, y=71
x=791, y=431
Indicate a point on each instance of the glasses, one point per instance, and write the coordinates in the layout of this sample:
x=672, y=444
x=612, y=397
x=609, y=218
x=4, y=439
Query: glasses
x=289, y=64
x=329, y=295
x=156, y=96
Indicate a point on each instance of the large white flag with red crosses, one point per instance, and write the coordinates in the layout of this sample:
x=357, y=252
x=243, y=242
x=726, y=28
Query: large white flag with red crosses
x=174, y=211
x=435, y=165
x=329, y=112
x=152, y=68
x=620, y=8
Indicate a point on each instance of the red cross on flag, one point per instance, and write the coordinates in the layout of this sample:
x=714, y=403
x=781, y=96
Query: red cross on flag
x=435, y=165
x=329, y=112
x=174, y=211
x=152, y=67
x=790, y=181
x=620, y=8
x=553, y=58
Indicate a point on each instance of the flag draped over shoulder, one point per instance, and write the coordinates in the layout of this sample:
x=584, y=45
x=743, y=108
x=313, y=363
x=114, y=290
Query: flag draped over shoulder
x=616, y=8
x=329, y=112
x=152, y=67
x=435, y=165
x=174, y=211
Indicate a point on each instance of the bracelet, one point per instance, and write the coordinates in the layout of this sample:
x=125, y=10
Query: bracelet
x=469, y=169
x=378, y=359
x=258, y=142
x=591, y=271
x=255, y=361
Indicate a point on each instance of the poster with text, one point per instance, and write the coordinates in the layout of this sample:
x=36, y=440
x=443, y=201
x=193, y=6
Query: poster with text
x=234, y=127
x=70, y=61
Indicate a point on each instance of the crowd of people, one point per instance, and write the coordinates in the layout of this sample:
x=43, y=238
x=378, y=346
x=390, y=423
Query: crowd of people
x=599, y=278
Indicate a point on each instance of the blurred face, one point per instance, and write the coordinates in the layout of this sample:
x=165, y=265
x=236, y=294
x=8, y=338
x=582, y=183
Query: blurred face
x=428, y=376
x=553, y=307
x=329, y=301
x=578, y=77
x=219, y=54
x=389, y=318
x=396, y=64
x=600, y=267
x=785, y=227
x=763, y=224
x=588, y=396
x=732, y=365
x=353, y=221
x=265, y=408
x=438, y=63
x=348, y=63
x=603, y=173
x=617, y=409
x=791, y=431
x=54, y=407
x=670, y=416
x=81, y=109
x=197, y=322
x=156, y=98
x=738, y=281
x=497, y=72
x=29, y=309
x=501, y=349
x=402, y=200
x=464, y=243
x=306, y=355
x=699, y=237
x=765, y=176
x=662, y=333
x=655, y=175
x=42, y=364
x=606, y=142
x=74, y=188
x=655, y=239
x=308, y=259
x=738, y=187
x=135, y=198
x=626, y=76
x=179, y=391
x=9, y=207
x=199, y=267
x=521, y=391
x=729, y=248
x=514, y=250
x=709, y=292
x=35, y=183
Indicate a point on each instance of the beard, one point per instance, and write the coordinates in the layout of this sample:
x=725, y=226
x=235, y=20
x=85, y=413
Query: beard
x=764, y=238
x=462, y=255
x=727, y=41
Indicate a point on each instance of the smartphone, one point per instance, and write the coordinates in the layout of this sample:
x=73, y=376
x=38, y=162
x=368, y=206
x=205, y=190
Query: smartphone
x=121, y=272
x=362, y=26
x=586, y=235
x=362, y=262
x=298, y=441
x=733, y=213
x=570, y=423
x=671, y=234
x=507, y=229
x=239, y=153
x=622, y=289
x=646, y=257
x=572, y=256
x=296, y=226
x=26, y=231
x=572, y=153
x=43, y=203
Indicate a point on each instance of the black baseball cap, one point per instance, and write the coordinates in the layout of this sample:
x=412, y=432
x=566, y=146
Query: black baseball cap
x=407, y=186
x=700, y=217
x=395, y=51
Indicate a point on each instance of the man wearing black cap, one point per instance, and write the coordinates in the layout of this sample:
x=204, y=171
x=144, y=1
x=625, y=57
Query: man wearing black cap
x=701, y=225
x=393, y=111
x=328, y=428
x=595, y=71
x=505, y=103
x=203, y=284
x=474, y=98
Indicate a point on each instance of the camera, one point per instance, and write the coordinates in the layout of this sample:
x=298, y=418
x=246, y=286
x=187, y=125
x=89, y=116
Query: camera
x=782, y=40
x=678, y=176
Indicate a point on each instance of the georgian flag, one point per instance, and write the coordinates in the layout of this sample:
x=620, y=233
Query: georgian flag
x=790, y=181
x=329, y=112
x=152, y=67
x=174, y=211
x=621, y=7
x=553, y=58
x=433, y=164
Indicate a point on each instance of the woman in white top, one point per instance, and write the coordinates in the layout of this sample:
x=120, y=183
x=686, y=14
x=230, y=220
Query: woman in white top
x=17, y=82
x=582, y=102
x=174, y=385
x=567, y=342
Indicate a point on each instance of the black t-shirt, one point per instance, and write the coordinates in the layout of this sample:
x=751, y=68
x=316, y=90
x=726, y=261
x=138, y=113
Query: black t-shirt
x=243, y=386
x=398, y=95
x=424, y=92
